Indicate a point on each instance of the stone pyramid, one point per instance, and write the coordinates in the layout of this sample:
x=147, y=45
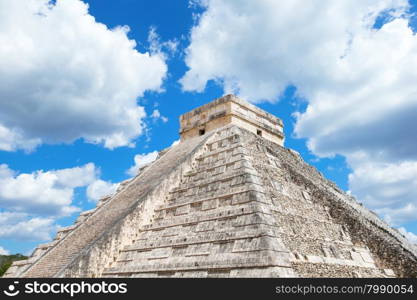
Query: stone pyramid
x=227, y=201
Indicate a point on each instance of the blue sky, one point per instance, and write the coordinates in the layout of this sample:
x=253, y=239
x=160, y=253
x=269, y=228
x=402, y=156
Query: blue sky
x=322, y=74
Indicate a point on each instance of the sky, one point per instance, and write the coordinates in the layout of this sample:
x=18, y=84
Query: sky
x=90, y=91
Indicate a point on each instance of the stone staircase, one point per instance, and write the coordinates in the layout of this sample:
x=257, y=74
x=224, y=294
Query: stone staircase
x=108, y=214
x=215, y=223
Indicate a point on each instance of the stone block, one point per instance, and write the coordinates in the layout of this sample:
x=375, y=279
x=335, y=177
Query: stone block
x=205, y=226
x=160, y=253
x=209, y=204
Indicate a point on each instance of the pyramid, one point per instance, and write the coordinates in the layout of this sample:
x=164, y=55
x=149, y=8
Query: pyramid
x=227, y=201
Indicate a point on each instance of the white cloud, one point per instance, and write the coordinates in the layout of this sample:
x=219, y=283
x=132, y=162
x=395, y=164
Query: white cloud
x=20, y=226
x=65, y=76
x=389, y=189
x=409, y=235
x=44, y=193
x=257, y=48
x=77, y=176
x=100, y=188
x=5, y=172
x=140, y=161
x=161, y=47
x=12, y=139
x=33, y=202
x=156, y=115
x=358, y=81
x=3, y=251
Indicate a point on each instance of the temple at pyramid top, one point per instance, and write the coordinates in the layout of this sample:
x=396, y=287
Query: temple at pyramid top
x=230, y=109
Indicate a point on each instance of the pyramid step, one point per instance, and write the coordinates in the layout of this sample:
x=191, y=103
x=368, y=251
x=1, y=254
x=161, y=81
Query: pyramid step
x=261, y=258
x=242, y=195
x=241, y=176
x=240, y=213
x=203, y=237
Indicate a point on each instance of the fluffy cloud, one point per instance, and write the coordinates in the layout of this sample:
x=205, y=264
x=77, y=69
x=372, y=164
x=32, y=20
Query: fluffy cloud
x=64, y=76
x=44, y=193
x=257, y=48
x=32, y=202
x=3, y=251
x=156, y=115
x=389, y=189
x=20, y=226
x=100, y=188
x=142, y=160
x=358, y=80
x=161, y=47
x=12, y=139
x=409, y=235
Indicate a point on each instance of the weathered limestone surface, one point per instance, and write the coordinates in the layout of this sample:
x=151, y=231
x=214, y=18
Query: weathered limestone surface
x=215, y=222
x=74, y=242
x=227, y=110
x=229, y=203
x=252, y=208
x=328, y=232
